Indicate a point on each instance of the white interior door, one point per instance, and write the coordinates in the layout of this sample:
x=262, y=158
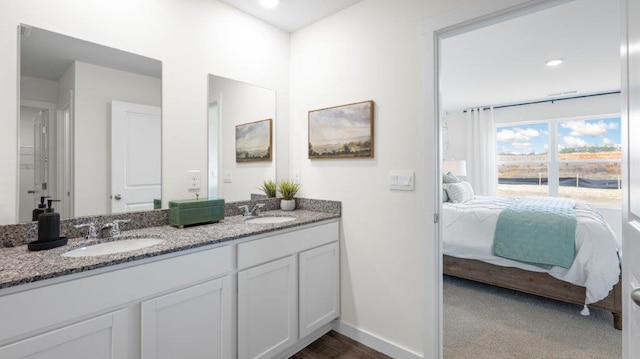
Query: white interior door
x=135, y=156
x=631, y=202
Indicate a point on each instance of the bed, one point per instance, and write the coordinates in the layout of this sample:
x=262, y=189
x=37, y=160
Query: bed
x=592, y=279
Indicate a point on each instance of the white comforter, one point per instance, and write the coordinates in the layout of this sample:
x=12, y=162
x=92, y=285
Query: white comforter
x=469, y=229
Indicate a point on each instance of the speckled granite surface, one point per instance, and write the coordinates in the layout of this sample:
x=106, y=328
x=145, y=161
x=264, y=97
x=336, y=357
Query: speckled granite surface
x=14, y=235
x=20, y=266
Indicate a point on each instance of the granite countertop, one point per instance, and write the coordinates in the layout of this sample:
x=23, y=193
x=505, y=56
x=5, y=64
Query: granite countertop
x=18, y=265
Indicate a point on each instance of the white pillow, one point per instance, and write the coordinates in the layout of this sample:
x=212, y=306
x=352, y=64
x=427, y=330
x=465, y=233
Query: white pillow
x=459, y=192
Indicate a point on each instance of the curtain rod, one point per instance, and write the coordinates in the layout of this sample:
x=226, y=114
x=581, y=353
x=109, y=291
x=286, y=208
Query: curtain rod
x=484, y=108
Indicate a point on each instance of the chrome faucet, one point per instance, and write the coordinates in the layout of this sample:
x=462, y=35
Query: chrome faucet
x=115, y=227
x=92, y=232
x=253, y=212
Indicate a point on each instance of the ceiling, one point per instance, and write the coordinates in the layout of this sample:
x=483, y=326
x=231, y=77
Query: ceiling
x=48, y=55
x=292, y=15
x=505, y=63
x=498, y=64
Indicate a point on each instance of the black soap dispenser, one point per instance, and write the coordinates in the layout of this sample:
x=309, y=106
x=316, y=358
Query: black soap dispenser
x=48, y=230
x=49, y=224
x=40, y=210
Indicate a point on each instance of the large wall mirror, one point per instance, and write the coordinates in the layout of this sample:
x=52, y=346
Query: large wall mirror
x=89, y=126
x=233, y=106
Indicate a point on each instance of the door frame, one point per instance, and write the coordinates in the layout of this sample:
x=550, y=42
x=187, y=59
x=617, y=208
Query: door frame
x=630, y=210
x=52, y=138
x=434, y=30
x=66, y=159
x=218, y=139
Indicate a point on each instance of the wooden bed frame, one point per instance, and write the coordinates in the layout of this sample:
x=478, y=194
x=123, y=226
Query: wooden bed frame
x=536, y=283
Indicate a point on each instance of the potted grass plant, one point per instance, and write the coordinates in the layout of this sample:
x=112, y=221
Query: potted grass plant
x=288, y=189
x=269, y=188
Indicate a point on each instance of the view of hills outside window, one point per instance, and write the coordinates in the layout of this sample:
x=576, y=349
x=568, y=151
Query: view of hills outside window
x=586, y=164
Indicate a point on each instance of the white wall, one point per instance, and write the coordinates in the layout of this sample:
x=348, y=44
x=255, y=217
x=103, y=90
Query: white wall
x=241, y=103
x=32, y=88
x=96, y=87
x=192, y=39
x=371, y=51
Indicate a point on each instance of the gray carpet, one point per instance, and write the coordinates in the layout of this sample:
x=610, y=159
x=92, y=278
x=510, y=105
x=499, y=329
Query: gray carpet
x=482, y=321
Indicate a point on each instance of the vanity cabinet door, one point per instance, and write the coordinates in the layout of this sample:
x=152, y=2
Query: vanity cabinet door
x=267, y=308
x=191, y=323
x=103, y=337
x=319, y=287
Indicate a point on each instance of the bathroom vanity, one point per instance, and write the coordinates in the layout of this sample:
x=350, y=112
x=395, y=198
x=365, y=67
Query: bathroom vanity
x=233, y=289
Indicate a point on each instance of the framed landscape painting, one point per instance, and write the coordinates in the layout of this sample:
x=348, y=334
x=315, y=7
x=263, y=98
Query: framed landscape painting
x=342, y=131
x=253, y=141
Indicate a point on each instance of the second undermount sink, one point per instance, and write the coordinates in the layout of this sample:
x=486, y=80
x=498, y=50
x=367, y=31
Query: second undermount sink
x=117, y=246
x=269, y=220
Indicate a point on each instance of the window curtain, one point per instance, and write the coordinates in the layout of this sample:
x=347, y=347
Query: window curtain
x=481, y=151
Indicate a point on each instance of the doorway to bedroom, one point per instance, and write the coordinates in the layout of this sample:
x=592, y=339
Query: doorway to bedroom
x=513, y=125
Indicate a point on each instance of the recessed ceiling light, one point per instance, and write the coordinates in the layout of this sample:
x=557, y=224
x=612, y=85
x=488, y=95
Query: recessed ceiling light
x=554, y=62
x=269, y=3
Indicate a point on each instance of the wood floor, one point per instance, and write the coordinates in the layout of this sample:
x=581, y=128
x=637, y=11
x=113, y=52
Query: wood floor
x=335, y=345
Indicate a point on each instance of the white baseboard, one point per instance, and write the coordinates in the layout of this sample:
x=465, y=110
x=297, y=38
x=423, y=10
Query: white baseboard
x=375, y=342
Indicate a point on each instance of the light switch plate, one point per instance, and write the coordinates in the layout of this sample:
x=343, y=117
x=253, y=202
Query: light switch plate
x=227, y=176
x=402, y=180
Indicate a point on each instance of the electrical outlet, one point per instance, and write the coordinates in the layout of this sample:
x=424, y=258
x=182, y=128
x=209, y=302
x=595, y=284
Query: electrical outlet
x=193, y=180
x=296, y=176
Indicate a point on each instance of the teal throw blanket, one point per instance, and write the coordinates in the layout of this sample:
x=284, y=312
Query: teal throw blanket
x=537, y=230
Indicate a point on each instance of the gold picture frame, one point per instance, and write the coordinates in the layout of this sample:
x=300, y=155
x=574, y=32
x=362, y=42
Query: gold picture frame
x=254, y=141
x=344, y=131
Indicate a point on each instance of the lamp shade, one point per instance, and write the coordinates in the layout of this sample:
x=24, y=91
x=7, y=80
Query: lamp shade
x=457, y=167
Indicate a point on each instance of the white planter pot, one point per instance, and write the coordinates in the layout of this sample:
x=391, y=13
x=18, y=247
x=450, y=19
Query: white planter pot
x=288, y=204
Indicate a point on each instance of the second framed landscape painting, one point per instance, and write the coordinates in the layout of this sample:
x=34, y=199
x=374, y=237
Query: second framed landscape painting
x=253, y=141
x=342, y=131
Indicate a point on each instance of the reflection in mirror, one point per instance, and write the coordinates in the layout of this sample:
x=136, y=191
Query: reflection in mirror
x=232, y=103
x=90, y=126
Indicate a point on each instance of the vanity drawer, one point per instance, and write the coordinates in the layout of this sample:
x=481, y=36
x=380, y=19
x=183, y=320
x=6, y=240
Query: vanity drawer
x=281, y=245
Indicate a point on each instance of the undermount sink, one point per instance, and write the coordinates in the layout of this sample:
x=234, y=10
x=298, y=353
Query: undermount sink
x=269, y=220
x=117, y=246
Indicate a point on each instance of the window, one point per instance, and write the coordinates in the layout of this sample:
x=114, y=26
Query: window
x=576, y=158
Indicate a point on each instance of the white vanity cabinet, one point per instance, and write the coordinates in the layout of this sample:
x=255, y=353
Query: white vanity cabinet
x=288, y=287
x=189, y=323
x=102, y=337
x=97, y=314
x=262, y=296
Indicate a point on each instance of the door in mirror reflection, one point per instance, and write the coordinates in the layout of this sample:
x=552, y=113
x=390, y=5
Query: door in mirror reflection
x=77, y=81
x=135, y=156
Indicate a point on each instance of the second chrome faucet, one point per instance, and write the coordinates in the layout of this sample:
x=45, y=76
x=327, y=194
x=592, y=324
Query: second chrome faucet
x=253, y=211
x=92, y=230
